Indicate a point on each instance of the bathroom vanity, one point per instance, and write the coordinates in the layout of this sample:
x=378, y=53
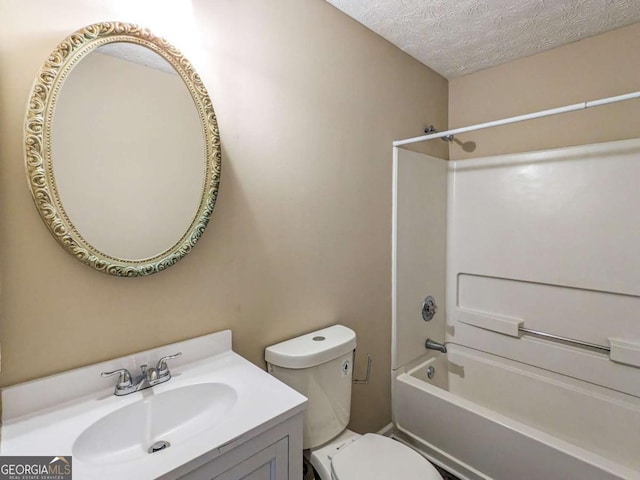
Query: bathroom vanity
x=218, y=417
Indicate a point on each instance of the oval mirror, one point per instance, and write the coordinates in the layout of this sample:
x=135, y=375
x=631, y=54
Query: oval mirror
x=122, y=149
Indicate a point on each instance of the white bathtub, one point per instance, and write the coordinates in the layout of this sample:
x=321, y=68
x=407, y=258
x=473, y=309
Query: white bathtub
x=485, y=417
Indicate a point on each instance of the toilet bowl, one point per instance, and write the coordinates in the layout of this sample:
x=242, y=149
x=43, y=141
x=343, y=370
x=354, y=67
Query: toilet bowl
x=319, y=365
x=372, y=457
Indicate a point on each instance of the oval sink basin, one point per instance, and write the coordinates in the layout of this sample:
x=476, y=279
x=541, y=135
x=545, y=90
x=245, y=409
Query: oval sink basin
x=172, y=416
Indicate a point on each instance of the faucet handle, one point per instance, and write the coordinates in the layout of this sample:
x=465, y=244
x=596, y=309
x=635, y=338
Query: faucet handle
x=162, y=364
x=124, y=380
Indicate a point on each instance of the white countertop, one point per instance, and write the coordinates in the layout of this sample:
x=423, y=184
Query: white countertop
x=51, y=428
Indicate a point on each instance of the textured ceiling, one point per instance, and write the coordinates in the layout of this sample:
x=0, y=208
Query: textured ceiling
x=456, y=37
x=135, y=53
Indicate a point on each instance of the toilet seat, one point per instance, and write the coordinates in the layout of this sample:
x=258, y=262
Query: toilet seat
x=374, y=457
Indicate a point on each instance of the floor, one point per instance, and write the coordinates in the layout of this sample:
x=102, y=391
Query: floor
x=446, y=475
x=307, y=470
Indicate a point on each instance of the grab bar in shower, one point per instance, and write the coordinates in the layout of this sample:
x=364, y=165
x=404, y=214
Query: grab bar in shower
x=559, y=338
x=620, y=350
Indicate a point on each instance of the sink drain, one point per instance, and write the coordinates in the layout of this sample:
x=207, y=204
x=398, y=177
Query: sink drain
x=160, y=445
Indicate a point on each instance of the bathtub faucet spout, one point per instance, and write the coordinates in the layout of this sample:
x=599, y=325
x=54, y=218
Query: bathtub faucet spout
x=433, y=345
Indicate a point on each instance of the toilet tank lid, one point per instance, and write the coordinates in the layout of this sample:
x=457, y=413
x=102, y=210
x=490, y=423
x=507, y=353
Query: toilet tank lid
x=313, y=348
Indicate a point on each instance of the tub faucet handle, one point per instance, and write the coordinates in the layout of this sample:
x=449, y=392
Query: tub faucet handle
x=429, y=308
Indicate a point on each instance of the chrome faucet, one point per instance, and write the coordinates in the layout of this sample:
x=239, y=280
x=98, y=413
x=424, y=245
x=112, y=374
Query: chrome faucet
x=433, y=345
x=148, y=377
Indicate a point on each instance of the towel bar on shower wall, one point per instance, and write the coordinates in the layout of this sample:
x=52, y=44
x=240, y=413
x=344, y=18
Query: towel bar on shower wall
x=559, y=338
x=620, y=350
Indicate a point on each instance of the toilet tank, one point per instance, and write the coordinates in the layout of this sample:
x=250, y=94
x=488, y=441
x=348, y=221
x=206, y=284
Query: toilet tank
x=319, y=365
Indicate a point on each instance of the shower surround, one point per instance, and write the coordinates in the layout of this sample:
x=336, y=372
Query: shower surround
x=542, y=240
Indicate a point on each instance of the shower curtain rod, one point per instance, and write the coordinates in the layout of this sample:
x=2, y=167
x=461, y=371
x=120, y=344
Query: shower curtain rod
x=521, y=118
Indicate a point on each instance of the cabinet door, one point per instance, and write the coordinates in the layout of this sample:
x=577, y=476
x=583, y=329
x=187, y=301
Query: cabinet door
x=268, y=464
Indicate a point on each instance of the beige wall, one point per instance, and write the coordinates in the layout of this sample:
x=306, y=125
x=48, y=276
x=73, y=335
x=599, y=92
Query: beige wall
x=308, y=103
x=597, y=67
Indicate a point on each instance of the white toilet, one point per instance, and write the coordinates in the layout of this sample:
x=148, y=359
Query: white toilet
x=320, y=366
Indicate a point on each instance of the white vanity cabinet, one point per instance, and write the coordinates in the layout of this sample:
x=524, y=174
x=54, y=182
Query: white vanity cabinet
x=267, y=464
x=275, y=454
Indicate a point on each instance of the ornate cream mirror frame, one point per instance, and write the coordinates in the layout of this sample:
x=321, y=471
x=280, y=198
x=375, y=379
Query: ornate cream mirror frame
x=38, y=155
